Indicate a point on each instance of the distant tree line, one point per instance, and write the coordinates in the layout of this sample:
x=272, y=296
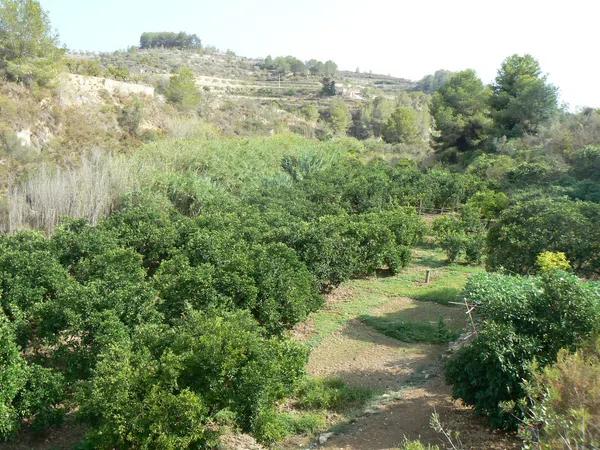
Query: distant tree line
x=431, y=83
x=168, y=39
x=291, y=64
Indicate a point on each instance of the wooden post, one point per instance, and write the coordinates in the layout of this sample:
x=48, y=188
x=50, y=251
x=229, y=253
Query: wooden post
x=427, y=276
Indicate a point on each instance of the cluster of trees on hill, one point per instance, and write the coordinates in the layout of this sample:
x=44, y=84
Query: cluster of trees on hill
x=470, y=115
x=405, y=119
x=290, y=64
x=165, y=39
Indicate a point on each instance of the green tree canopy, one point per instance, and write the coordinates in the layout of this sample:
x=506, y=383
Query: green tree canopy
x=339, y=116
x=461, y=112
x=522, y=98
x=402, y=126
x=182, y=90
x=28, y=47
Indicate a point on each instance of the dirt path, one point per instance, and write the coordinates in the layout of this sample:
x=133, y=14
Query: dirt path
x=407, y=376
x=409, y=416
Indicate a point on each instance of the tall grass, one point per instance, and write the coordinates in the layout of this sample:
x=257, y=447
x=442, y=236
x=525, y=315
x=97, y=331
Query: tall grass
x=88, y=190
x=91, y=189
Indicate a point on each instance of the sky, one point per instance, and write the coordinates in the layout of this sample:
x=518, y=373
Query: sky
x=402, y=38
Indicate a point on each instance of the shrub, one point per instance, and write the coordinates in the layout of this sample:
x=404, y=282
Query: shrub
x=489, y=203
x=586, y=162
x=182, y=286
x=522, y=319
x=29, y=279
x=286, y=289
x=228, y=360
x=130, y=117
x=161, y=417
x=162, y=387
x=475, y=248
x=565, y=396
x=28, y=391
x=463, y=233
x=417, y=445
x=146, y=225
x=233, y=263
x=453, y=244
x=547, y=261
x=182, y=90
x=532, y=227
x=42, y=398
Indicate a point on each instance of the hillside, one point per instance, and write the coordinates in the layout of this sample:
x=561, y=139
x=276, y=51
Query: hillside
x=87, y=108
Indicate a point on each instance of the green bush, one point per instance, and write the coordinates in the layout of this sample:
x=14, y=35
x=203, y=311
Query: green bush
x=547, y=261
x=586, y=162
x=417, y=445
x=28, y=390
x=458, y=234
x=532, y=227
x=521, y=319
x=182, y=91
x=286, y=289
x=182, y=286
x=162, y=387
x=475, y=248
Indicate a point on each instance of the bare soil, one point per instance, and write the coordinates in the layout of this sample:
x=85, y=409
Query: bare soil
x=408, y=377
x=409, y=418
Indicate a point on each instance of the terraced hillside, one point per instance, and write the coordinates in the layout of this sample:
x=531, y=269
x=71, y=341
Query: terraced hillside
x=227, y=73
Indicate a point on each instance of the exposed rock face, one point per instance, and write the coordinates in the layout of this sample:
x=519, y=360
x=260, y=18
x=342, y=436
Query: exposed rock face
x=80, y=89
x=24, y=137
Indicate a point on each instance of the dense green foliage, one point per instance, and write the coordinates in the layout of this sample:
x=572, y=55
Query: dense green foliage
x=522, y=320
x=291, y=65
x=433, y=82
x=522, y=99
x=462, y=233
x=461, y=112
x=401, y=126
x=531, y=227
x=167, y=314
x=172, y=311
x=339, y=117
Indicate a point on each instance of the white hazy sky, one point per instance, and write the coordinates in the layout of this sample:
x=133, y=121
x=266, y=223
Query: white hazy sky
x=402, y=38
